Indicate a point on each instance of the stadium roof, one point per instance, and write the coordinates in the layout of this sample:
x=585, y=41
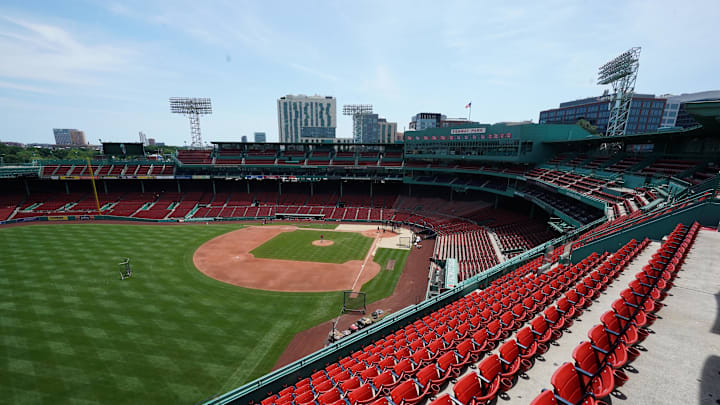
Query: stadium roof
x=706, y=113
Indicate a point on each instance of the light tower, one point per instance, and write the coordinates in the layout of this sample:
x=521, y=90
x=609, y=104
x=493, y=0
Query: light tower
x=193, y=108
x=357, y=110
x=621, y=74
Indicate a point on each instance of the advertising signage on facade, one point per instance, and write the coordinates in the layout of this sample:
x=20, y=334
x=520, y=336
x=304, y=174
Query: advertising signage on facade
x=459, y=131
x=474, y=137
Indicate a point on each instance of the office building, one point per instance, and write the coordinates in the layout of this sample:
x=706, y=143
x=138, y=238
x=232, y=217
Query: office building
x=243, y=139
x=260, y=137
x=675, y=114
x=306, y=117
x=371, y=128
x=387, y=131
x=645, y=113
x=66, y=136
x=421, y=121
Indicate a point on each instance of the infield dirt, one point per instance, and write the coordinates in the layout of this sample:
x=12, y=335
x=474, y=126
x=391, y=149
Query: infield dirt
x=227, y=258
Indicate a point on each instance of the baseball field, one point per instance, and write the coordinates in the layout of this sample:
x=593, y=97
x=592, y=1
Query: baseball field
x=72, y=332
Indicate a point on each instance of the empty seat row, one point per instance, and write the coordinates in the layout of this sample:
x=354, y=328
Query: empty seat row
x=598, y=362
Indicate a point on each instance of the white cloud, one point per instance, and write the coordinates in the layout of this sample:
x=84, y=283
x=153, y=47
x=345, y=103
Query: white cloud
x=39, y=51
x=25, y=87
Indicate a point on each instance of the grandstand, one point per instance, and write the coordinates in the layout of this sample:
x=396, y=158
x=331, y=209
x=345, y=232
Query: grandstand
x=526, y=291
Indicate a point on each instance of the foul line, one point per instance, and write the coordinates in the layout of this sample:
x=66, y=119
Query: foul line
x=362, y=268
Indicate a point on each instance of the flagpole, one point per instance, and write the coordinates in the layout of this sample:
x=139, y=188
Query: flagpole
x=469, y=111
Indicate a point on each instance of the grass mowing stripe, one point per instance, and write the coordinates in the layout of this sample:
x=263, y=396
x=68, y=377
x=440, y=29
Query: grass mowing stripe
x=170, y=334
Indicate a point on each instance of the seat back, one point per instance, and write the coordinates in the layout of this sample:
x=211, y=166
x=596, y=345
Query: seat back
x=402, y=367
x=369, y=373
x=465, y=347
x=507, y=319
x=402, y=353
x=447, y=360
x=546, y=397
x=586, y=358
x=363, y=393
x=599, y=337
x=563, y=304
x=528, y=303
x=493, y=328
x=539, y=325
x=610, y=321
x=305, y=398
x=552, y=314
x=405, y=390
x=386, y=363
x=509, y=351
x=329, y=397
x=350, y=384
x=427, y=373
x=480, y=336
x=421, y=355
x=467, y=387
x=490, y=367
x=566, y=383
x=443, y=400
x=384, y=378
x=326, y=385
x=525, y=337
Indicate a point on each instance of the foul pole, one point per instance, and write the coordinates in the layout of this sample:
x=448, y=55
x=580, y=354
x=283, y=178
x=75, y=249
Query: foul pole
x=92, y=179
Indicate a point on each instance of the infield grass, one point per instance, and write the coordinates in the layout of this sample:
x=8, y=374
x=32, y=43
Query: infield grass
x=297, y=245
x=72, y=332
x=310, y=225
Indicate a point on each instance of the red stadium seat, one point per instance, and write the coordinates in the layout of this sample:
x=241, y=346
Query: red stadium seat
x=598, y=378
x=568, y=386
x=329, y=397
x=480, y=387
x=546, y=397
x=509, y=354
x=526, y=343
x=601, y=343
x=362, y=395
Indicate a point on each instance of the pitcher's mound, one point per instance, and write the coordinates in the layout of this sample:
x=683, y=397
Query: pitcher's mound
x=322, y=242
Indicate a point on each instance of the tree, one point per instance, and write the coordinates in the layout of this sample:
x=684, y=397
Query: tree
x=586, y=125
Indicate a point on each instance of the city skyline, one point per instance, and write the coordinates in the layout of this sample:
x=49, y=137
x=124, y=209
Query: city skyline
x=109, y=68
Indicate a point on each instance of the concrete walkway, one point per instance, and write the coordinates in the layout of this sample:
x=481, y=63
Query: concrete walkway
x=496, y=245
x=682, y=361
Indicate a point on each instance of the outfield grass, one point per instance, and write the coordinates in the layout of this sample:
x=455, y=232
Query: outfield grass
x=297, y=245
x=383, y=284
x=72, y=332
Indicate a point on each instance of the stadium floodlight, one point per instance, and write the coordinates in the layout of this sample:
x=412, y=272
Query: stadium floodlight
x=193, y=108
x=621, y=74
x=356, y=110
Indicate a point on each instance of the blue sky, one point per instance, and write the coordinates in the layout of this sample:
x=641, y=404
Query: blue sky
x=109, y=67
